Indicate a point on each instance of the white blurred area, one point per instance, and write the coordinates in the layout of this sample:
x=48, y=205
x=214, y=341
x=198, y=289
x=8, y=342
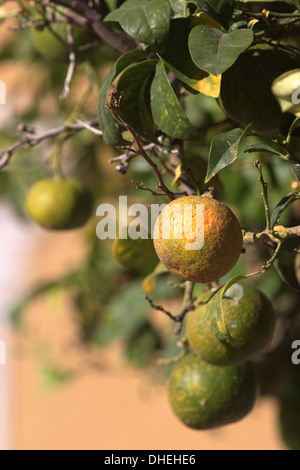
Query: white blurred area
x=17, y=239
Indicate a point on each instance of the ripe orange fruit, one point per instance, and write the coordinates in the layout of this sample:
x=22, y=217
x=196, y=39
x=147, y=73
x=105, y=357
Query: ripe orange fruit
x=173, y=232
x=59, y=204
x=204, y=396
x=250, y=319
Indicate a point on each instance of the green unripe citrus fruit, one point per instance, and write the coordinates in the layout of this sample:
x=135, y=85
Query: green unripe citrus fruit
x=246, y=94
x=59, y=204
x=204, y=396
x=250, y=320
x=52, y=42
x=134, y=254
x=217, y=230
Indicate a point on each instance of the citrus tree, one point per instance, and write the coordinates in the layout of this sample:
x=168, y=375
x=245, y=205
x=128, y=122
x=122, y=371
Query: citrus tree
x=198, y=105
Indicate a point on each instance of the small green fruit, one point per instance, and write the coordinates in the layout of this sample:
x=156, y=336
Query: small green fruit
x=134, y=254
x=59, y=204
x=204, y=396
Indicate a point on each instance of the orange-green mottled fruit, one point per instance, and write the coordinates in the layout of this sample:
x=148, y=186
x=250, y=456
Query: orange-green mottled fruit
x=222, y=242
x=204, y=396
x=134, y=254
x=59, y=204
x=250, y=319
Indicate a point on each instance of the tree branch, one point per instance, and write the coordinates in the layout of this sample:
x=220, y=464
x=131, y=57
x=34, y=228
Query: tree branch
x=34, y=137
x=278, y=234
x=115, y=106
x=80, y=13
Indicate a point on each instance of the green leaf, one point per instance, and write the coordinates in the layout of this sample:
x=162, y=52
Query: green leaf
x=296, y=171
x=281, y=207
x=216, y=313
x=133, y=82
x=167, y=112
x=180, y=8
x=268, y=148
x=223, y=151
x=177, y=56
x=285, y=263
x=111, y=134
x=215, y=51
x=126, y=312
x=146, y=21
x=294, y=126
x=220, y=10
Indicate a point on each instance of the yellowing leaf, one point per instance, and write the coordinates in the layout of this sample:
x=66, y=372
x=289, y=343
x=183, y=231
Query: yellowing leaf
x=209, y=86
x=203, y=18
x=252, y=23
x=149, y=283
x=175, y=182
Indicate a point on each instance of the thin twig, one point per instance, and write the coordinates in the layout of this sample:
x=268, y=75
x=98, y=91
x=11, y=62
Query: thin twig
x=160, y=308
x=87, y=126
x=83, y=15
x=155, y=193
x=72, y=63
x=115, y=106
x=264, y=185
x=268, y=264
x=34, y=137
x=187, y=306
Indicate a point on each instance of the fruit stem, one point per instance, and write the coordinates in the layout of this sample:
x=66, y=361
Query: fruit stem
x=56, y=159
x=268, y=264
x=264, y=193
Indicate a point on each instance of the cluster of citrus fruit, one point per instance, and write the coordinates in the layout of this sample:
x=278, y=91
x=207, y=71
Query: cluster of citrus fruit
x=215, y=384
